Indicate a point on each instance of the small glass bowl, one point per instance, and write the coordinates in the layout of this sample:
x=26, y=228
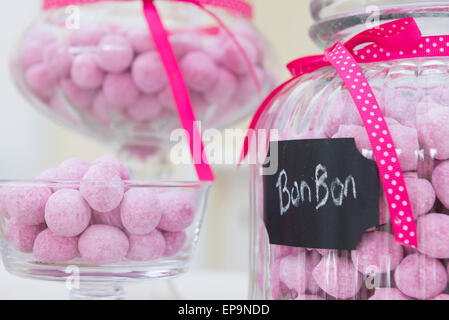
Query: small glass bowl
x=83, y=279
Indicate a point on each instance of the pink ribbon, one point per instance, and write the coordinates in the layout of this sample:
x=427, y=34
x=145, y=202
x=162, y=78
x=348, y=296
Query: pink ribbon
x=176, y=79
x=400, y=39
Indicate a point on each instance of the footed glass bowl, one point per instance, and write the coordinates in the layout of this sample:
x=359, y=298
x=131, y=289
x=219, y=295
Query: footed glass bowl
x=51, y=232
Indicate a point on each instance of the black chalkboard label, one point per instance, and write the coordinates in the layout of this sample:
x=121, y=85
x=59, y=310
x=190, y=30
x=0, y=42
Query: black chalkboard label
x=324, y=194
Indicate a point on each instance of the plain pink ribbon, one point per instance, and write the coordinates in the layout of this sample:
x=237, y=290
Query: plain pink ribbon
x=400, y=39
x=176, y=79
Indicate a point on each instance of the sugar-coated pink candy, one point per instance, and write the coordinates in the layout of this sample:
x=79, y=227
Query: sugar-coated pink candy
x=174, y=242
x=140, y=39
x=224, y=88
x=341, y=111
x=111, y=218
x=377, y=250
x=100, y=109
x=113, y=162
x=87, y=35
x=58, y=59
x=40, y=81
x=102, y=188
x=421, y=196
x=388, y=294
x=440, y=182
x=26, y=205
x=235, y=61
x=185, y=42
x=178, y=210
x=420, y=277
x=313, y=259
x=247, y=88
x=67, y=214
x=31, y=53
x=120, y=90
x=308, y=297
x=149, y=73
x=434, y=132
x=337, y=277
x=82, y=98
x=442, y=296
x=400, y=104
x=115, y=53
x=406, y=143
x=433, y=235
x=146, y=108
x=199, y=70
x=279, y=251
x=86, y=72
x=22, y=237
x=247, y=30
x=102, y=244
x=140, y=211
x=293, y=272
x=73, y=169
x=358, y=133
x=147, y=247
x=51, y=248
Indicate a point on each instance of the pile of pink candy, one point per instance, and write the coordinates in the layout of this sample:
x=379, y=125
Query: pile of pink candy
x=89, y=211
x=105, y=71
x=418, y=120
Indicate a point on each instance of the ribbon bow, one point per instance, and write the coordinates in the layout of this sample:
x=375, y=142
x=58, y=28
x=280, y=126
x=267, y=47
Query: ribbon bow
x=400, y=39
x=176, y=79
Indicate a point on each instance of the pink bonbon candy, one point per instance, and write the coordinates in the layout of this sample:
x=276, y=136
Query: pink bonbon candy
x=120, y=90
x=247, y=88
x=26, y=205
x=147, y=247
x=421, y=196
x=111, y=218
x=112, y=162
x=407, y=146
x=233, y=58
x=400, y=104
x=146, y=108
x=224, y=88
x=102, y=188
x=279, y=251
x=115, y=53
x=58, y=59
x=178, y=210
x=420, y=277
x=86, y=72
x=337, y=277
x=434, y=131
x=82, y=98
x=377, y=252
x=40, y=81
x=51, y=248
x=67, y=214
x=149, y=73
x=174, y=242
x=102, y=244
x=199, y=70
x=440, y=182
x=87, y=35
x=308, y=297
x=185, y=42
x=246, y=30
x=73, y=169
x=442, y=296
x=341, y=111
x=388, y=294
x=140, y=39
x=22, y=237
x=433, y=235
x=293, y=272
x=140, y=211
x=31, y=53
x=358, y=133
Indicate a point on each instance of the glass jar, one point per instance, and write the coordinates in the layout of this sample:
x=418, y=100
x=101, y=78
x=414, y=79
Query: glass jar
x=94, y=67
x=413, y=96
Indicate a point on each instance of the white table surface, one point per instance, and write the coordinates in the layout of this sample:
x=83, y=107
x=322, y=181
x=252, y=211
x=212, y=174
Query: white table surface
x=195, y=285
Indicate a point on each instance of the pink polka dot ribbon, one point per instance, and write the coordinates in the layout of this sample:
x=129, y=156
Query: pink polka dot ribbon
x=381, y=141
x=400, y=39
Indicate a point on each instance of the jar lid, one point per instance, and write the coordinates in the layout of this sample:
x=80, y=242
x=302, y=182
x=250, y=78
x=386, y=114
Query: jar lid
x=339, y=20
